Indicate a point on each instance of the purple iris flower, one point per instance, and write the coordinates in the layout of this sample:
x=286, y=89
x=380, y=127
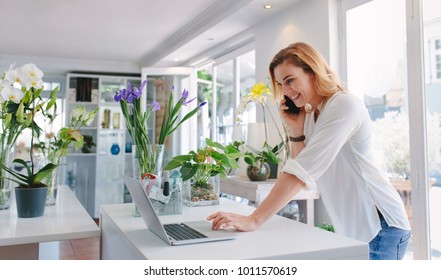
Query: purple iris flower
x=130, y=94
x=185, y=96
x=122, y=94
x=155, y=106
x=117, y=97
x=138, y=92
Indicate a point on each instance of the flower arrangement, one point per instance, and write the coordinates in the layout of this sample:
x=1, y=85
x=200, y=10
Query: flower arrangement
x=170, y=122
x=70, y=135
x=259, y=94
x=20, y=98
x=136, y=121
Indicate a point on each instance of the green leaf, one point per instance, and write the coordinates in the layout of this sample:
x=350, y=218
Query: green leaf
x=42, y=173
x=277, y=149
x=211, y=143
x=20, y=113
x=188, y=170
x=176, y=162
x=250, y=160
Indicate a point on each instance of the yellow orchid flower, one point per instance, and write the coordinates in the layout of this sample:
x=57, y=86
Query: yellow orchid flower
x=258, y=91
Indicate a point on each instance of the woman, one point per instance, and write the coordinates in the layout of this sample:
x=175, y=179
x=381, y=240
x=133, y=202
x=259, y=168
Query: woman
x=331, y=150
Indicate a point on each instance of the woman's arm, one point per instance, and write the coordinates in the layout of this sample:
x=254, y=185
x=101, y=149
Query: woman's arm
x=286, y=187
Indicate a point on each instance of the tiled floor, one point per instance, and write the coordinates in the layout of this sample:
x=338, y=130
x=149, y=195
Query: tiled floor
x=80, y=249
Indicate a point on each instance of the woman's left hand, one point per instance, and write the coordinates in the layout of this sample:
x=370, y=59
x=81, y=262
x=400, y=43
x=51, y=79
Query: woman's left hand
x=223, y=220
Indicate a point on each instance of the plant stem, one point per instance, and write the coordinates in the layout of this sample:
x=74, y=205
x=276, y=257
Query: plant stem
x=264, y=122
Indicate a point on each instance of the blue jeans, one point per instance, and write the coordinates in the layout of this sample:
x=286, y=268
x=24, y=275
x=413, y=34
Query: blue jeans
x=390, y=243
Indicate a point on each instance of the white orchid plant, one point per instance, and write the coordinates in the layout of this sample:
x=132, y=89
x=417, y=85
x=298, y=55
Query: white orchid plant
x=20, y=99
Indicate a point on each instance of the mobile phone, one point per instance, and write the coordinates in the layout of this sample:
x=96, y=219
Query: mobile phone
x=292, y=108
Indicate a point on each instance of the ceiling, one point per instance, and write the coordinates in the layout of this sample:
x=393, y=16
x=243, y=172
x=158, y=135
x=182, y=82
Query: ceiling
x=139, y=32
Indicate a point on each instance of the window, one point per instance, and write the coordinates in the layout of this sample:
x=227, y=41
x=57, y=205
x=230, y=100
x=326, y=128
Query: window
x=375, y=73
x=438, y=67
x=389, y=85
x=232, y=78
x=435, y=60
x=205, y=93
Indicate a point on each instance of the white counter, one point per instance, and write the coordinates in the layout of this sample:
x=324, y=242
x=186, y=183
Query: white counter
x=126, y=237
x=257, y=191
x=64, y=221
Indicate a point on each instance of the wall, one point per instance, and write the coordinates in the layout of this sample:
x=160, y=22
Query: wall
x=60, y=66
x=309, y=21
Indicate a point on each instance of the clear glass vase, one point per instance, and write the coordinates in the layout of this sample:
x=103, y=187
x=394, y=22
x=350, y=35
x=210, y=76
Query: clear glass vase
x=52, y=184
x=6, y=185
x=196, y=195
x=259, y=172
x=51, y=180
x=146, y=160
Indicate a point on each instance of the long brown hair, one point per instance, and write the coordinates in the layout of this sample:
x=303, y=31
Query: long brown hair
x=302, y=55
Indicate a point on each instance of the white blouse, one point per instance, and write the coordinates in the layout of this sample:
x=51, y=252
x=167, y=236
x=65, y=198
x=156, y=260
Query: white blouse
x=338, y=161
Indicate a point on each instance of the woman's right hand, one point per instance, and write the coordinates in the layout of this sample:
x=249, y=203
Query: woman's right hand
x=223, y=220
x=295, y=122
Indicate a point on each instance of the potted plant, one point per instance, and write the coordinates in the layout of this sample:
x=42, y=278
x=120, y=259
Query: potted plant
x=201, y=171
x=20, y=103
x=31, y=190
x=260, y=94
x=258, y=168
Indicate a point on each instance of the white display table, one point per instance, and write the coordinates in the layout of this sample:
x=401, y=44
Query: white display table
x=20, y=237
x=258, y=191
x=126, y=237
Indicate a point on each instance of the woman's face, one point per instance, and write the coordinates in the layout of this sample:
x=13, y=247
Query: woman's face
x=295, y=83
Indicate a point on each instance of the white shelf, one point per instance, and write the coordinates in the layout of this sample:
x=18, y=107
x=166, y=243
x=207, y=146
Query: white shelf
x=82, y=103
x=94, y=169
x=88, y=128
x=81, y=154
x=109, y=104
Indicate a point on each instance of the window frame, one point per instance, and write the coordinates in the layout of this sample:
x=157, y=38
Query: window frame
x=417, y=117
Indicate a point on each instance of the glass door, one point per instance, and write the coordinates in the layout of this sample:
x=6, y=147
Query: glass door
x=376, y=73
x=394, y=63
x=431, y=46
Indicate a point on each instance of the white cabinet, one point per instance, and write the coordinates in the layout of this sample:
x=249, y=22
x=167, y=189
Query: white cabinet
x=96, y=176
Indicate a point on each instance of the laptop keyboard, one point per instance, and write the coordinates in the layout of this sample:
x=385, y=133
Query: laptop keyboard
x=182, y=232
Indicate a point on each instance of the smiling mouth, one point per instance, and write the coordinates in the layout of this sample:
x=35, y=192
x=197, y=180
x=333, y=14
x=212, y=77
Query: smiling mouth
x=295, y=97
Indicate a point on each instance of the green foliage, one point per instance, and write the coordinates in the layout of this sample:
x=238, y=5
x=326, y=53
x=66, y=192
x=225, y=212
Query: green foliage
x=325, y=227
x=268, y=154
x=30, y=179
x=204, y=75
x=207, y=162
x=171, y=120
x=70, y=135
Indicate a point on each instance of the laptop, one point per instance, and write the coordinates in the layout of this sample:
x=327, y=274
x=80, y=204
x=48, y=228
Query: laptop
x=173, y=234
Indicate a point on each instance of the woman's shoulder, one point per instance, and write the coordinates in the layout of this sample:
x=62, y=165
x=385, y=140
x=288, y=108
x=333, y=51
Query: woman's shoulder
x=345, y=99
